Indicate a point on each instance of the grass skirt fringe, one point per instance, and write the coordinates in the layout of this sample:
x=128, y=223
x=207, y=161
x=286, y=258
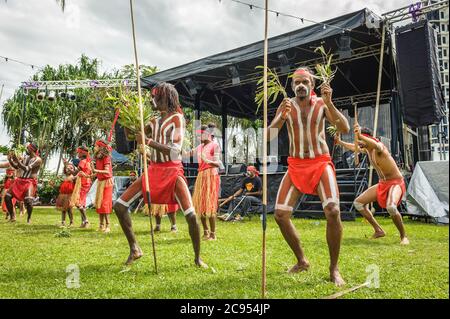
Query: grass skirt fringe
x=206, y=193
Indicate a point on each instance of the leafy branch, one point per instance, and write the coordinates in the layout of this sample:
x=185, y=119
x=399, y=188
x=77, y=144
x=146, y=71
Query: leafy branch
x=324, y=71
x=274, y=87
x=332, y=130
x=127, y=102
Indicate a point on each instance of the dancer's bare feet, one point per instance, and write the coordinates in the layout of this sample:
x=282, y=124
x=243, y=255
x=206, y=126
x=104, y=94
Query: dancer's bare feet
x=84, y=224
x=199, y=263
x=299, y=267
x=378, y=234
x=336, y=278
x=212, y=236
x=135, y=254
x=404, y=241
x=174, y=229
x=205, y=235
x=157, y=229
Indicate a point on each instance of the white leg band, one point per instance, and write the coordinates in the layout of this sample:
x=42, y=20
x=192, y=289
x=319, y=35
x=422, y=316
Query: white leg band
x=358, y=206
x=392, y=210
x=285, y=208
x=122, y=202
x=188, y=211
x=328, y=201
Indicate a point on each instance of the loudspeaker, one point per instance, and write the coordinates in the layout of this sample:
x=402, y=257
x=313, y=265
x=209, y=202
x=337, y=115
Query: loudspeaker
x=123, y=146
x=418, y=70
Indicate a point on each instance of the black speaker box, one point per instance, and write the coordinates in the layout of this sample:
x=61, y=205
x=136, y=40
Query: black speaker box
x=418, y=70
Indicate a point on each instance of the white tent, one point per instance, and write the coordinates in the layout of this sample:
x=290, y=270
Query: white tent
x=427, y=193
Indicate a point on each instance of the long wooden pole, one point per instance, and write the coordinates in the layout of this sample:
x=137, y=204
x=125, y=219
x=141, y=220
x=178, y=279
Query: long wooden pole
x=141, y=116
x=264, y=216
x=355, y=140
x=377, y=105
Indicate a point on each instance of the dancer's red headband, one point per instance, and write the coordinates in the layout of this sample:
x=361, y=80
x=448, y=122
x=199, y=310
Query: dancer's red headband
x=82, y=151
x=32, y=148
x=371, y=137
x=300, y=72
x=101, y=143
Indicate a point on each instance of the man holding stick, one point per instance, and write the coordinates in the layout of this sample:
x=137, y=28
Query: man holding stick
x=165, y=172
x=391, y=188
x=310, y=169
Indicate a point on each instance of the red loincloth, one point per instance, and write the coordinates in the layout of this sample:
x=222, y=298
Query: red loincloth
x=8, y=184
x=172, y=208
x=66, y=187
x=19, y=189
x=305, y=173
x=383, y=190
x=162, y=180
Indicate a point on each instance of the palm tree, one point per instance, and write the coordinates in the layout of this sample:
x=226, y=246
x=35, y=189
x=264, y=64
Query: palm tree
x=62, y=4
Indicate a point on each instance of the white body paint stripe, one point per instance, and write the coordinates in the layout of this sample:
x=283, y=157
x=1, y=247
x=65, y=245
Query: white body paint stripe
x=308, y=132
x=284, y=208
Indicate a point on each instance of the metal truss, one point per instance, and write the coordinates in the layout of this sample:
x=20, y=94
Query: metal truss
x=359, y=53
x=407, y=12
x=77, y=84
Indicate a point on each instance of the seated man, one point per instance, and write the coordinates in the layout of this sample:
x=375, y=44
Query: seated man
x=251, y=191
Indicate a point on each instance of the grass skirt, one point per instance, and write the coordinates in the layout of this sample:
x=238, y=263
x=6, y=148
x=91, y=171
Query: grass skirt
x=206, y=193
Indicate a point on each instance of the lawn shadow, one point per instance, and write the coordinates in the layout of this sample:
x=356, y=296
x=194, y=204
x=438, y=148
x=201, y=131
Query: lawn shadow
x=355, y=241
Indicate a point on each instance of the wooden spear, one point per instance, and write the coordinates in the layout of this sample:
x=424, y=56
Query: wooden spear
x=264, y=215
x=144, y=156
x=355, y=105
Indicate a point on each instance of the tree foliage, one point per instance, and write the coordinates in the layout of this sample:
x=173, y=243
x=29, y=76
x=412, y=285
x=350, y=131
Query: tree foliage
x=62, y=125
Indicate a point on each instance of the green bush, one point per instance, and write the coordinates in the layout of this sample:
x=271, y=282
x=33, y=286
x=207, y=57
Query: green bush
x=48, y=188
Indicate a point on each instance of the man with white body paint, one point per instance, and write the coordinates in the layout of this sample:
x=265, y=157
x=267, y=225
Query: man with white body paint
x=165, y=172
x=391, y=187
x=310, y=169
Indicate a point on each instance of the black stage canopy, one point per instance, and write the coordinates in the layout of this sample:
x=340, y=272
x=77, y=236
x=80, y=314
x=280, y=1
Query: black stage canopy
x=225, y=83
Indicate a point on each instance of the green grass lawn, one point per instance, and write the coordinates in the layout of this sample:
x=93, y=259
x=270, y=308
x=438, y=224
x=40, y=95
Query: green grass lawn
x=33, y=261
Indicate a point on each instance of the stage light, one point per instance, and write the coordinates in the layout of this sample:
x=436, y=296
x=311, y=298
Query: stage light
x=284, y=62
x=344, y=49
x=51, y=96
x=372, y=21
x=191, y=86
x=40, y=96
x=71, y=96
x=235, y=79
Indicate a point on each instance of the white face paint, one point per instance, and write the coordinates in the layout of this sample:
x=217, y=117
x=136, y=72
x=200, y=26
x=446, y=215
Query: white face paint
x=301, y=91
